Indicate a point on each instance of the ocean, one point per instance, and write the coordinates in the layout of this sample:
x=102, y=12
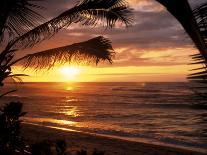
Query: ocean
x=159, y=113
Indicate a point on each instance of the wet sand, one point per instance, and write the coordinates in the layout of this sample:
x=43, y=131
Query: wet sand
x=112, y=146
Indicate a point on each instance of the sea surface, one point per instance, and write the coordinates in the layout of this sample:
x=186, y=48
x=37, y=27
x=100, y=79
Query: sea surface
x=159, y=113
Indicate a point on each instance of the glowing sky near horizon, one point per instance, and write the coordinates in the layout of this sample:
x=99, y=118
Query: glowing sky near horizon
x=155, y=48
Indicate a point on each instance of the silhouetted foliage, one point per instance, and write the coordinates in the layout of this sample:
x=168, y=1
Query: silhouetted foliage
x=49, y=147
x=199, y=81
x=195, y=24
x=61, y=147
x=81, y=152
x=78, y=52
x=18, y=17
x=182, y=11
x=57, y=147
x=41, y=148
x=96, y=152
x=200, y=14
x=10, y=139
x=87, y=12
x=200, y=77
x=23, y=27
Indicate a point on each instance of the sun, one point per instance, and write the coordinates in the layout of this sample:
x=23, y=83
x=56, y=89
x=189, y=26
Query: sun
x=69, y=72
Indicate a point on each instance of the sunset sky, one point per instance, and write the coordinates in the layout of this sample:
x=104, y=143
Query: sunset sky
x=155, y=48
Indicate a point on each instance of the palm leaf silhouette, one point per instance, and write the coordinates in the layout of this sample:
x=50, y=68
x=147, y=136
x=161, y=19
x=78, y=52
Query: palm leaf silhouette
x=88, y=12
x=195, y=24
x=93, y=50
x=18, y=17
x=182, y=11
x=200, y=77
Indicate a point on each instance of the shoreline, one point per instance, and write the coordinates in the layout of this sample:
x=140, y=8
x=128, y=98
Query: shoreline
x=78, y=140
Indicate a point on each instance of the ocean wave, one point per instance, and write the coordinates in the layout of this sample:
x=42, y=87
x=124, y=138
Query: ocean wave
x=146, y=136
x=163, y=112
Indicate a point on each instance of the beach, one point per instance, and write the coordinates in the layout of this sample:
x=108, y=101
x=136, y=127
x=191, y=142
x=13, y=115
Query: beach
x=112, y=146
x=154, y=113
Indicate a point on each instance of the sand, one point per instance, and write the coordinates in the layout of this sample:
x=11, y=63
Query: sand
x=112, y=146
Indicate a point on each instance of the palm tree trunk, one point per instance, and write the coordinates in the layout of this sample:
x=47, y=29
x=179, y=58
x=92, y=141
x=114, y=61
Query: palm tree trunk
x=182, y=11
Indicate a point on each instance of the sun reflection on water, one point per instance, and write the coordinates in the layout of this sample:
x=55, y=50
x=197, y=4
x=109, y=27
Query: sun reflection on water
x=72, y=112
x=69, y=88
x=71, y=100
x=49, y=120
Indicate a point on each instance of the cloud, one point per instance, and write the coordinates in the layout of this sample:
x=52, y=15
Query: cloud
x=155, y=38
x=145, y=5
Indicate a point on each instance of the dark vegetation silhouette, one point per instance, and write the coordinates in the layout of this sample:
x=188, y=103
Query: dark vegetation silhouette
x=195, y=24
x=58, y=147
x=95, y=152
x=49, y=147
x=10, y=138
x=21, y=27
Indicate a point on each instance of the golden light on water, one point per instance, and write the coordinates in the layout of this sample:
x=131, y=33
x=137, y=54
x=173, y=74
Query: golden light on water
x=50, y=120
x=69, y=88
x=72, y=112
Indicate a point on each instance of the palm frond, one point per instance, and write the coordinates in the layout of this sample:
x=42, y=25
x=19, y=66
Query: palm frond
x=200, y=75
x=93, y=50
x=195, y=24
x=18, y=17
x=198, y=59
x=199, y=78
x=182, y=11
x=200, y=14
x=110, y=10
x=88, y=12
x=6, y=93
x=16, y=78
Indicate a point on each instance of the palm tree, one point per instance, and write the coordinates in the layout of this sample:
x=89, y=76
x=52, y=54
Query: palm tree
x=195, y=24
x=21, y=27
